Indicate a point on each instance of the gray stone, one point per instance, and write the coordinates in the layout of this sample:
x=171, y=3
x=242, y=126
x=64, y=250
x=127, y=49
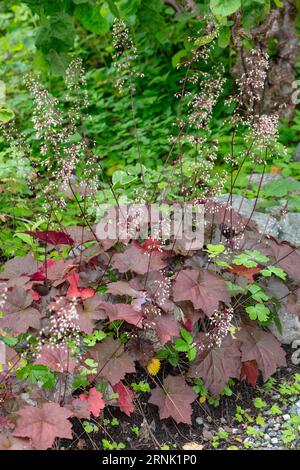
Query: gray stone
x=267, y=224
x=256, y=178
x=241, y=204
x=286, y=417
x=289, y=228
x=234, y=430
x=267, y=437
x=296, y=156
x=290, y=324
x=199, y=421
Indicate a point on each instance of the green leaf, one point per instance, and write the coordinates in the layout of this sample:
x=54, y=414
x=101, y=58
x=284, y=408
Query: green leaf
x=177, y=57
x=274, y=270
x=258, y=294
x=91, y=18
x=214, y=250
x=259, y=403
x=38, y=375
x=224, y=7
x=9, y=340
x=181, y=346
x=57, y=33
x=224, y=37
x=258, y=312
x=186, y=335
x=113, y=8
x=275, y=410
x=280, y=187
x=6, y=115
x=192, y=354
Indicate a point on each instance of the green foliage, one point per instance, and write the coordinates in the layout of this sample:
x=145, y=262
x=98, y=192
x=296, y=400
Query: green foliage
x=224, y=7
x=38, y=375
x=107, y=445
x=142, y=386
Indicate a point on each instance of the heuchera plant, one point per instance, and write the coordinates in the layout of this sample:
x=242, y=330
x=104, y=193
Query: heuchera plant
x=79, y=316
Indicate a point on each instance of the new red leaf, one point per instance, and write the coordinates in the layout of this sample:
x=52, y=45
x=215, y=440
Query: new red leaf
x=94, y=401
x=51, y=236
x=250, y=372
x=75, y=291
x=125, y=399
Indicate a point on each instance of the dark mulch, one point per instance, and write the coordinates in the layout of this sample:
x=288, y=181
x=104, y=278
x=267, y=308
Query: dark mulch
x=155, y=432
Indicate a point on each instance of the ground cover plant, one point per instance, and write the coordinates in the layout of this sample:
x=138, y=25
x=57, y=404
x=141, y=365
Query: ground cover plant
x=97, y=332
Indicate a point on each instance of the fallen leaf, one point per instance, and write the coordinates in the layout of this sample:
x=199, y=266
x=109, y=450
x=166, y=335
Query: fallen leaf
x=241, y=270
x=192, y=446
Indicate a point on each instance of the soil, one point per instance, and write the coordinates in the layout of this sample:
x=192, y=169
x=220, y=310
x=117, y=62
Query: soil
x=154, y=433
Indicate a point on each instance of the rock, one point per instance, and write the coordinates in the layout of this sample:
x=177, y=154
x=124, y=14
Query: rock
x=294, y=410
x=296, y=156
x=286, y=417
x=266, y=223
x=199, y=421
x=207, y=435
x=267, y=437
x=290, y=324
x=256, y=178
x=274, y=440
x=241, y=204
x=289, y=228
x=235, y=430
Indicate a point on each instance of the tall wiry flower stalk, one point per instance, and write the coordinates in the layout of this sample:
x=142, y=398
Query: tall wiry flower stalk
x=64, y=150
x=125, y=57
x=199, y=94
